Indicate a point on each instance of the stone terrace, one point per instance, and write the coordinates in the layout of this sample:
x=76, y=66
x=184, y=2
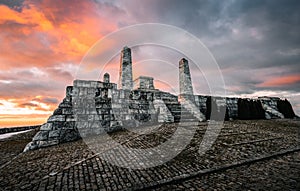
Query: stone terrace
x=236, y=161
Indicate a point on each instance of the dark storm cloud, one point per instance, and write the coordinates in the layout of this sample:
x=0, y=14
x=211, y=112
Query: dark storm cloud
x=242, y=35
x=11, y=3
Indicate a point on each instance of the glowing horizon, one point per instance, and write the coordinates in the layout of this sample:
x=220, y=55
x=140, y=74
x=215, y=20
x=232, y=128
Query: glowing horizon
x=43, y=42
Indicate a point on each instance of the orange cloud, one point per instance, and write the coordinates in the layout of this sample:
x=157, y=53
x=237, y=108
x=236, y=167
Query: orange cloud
x=46, y=32
x=42, y=41
x=281, y=81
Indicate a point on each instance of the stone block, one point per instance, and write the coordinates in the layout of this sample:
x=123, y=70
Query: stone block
x=81, y=117
x=54, y=133
x=57, y=125
x=31, y=146
x=48, y=143
x=65, y=105
x=122, y=94
x=91, y=118
x=100, y=85
x=79, y=110
x=69, y=125
x=67, y=111
x=70, y=118
x=67, y=135
x=46, y=127
x=91, y=91
x=94, y=84
x=81, y=125
x=69, y=90
x=41, y=136
x=91, y=111
x=82, y=91
x=56, y=118
x=97, y=117
x=58, y=111
x=94, y=124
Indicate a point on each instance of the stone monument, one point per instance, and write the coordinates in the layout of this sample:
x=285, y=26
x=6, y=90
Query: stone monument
x=94, y=107
x=125, y=77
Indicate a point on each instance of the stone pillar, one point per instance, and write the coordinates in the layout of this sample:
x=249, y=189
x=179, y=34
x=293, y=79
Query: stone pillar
x=106, y=78
x=125, y=76
x=185, y=82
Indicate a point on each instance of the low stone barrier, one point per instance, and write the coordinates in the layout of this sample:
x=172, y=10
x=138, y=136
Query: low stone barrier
x=17, y=129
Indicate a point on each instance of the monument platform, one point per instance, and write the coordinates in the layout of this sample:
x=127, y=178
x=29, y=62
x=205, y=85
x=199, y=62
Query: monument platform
x=247, y=155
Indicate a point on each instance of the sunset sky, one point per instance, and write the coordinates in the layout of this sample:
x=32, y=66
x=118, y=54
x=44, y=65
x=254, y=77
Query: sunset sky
x=42, y=42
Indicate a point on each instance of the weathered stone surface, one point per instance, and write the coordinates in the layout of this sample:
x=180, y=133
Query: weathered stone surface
x=54, y=133
x=56, y=118
x=67, y=135
x=270, y=106
x=47, y=143
x=164, y=115
x=46, y=127
x=185, y=82
x=106, y=78
x=144, y=82
x=41, y=136
x=94, y=107
x=285, y=107
x=126, y=82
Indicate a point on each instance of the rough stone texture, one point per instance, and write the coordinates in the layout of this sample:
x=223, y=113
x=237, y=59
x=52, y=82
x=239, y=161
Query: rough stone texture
x=285, y=108
x=73, y=166
x=91, y=108
x=232, y=108
x=144, y=82
x=185, y=82
x=125, y=77
x=164, y=114
x=16, y=129
x=270, y=107
x=200, y=102
x=251, y=109
x=106, y=78
x=193, y=109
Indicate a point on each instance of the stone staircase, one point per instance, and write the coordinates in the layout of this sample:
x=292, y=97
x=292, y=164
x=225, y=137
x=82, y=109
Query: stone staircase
x=164, y=113
x=187, y=116
x=180, y=113
x=175, y=109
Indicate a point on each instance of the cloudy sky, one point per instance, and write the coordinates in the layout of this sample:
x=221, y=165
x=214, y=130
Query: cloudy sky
x=256, y=44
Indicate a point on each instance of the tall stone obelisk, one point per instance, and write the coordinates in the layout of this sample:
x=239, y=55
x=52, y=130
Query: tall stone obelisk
x=125, y=76
x=186, y=96
x=185, y=81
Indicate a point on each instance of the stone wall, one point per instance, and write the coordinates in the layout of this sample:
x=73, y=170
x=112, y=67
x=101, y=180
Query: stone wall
x=59, y=128
x=144, y=82
x=93, y=107
x=285, y=107
x=17, y=129
x=269, y=104
x=250, y=109
x=232, y=108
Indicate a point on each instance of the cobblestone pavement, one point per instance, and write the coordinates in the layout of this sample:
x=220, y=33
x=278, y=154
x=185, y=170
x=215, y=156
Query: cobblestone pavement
x=72, y=166
x=11, y=147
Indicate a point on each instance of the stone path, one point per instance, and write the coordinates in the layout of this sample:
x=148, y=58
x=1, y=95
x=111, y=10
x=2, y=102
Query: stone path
x=238, y=141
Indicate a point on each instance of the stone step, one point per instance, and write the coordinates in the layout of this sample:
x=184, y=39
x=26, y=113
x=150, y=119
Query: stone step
x=188, y=120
